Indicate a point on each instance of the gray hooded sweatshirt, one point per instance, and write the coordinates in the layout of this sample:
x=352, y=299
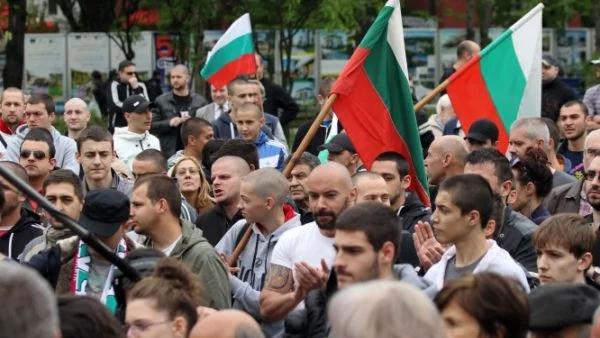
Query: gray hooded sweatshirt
x=253, y=263
x=65, y=148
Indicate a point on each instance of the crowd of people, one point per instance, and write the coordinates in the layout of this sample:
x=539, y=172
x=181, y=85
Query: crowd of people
x=193, y=197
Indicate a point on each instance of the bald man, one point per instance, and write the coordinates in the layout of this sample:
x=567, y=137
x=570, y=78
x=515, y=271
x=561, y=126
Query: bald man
x=445, y=158
x=227, y=324
x=172, y=109
x=370, y=186
x=76, y=116
x=302, y=258
x=226, y=176
x=465, y=51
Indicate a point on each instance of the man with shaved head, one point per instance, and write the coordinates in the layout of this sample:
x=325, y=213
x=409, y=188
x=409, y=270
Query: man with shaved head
x=304, y=255
x=445, y=158
x=173, y=108
x=263, y=195
x=227, y=324
x=370, y=186
x=76, y=116
x=465, y=51
x=12, y=107
x=226, y=176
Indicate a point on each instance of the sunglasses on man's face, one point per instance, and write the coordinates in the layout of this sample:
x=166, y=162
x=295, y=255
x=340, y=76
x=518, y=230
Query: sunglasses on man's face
x=130, y=73
x=37, y=154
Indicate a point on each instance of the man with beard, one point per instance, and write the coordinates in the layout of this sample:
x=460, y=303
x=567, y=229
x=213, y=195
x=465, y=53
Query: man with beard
x=12, y=105
x=593, y=193
x=572, y=122
x=303, y=256
x=174, y=108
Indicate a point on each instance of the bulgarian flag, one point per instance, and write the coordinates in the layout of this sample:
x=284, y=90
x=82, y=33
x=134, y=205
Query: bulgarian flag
x=232, y=55
x=374, y=102
x=504, y=82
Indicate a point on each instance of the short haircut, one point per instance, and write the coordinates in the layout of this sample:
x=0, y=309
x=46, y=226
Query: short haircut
x=238, y=81
x=174, y=287
x=399, y=159
x=83, y=316
x=240, y=148
x=124, y=64
x=535, y=129
x=16, y=169
x=307, y=159
x=44, y=99
x=268, y=182
x=464, y=47
x=210, y=148
x=356, y=178
x=250, y=106
x=533, y=168
x=443, y=102
x=162, y=187
x=192, y=127
x=41, y=135
x=470, y=192
x=570, y=231
x=96, y=134
x=31, y=300
x=579, y=103
x=498, y=208
x=12, y=90
x=371, y=309
x=154, y=156
x=492, y=156
x=325, y=86
x=378, y=221
x=494, y=301
x=552, y=130
x=64, y=176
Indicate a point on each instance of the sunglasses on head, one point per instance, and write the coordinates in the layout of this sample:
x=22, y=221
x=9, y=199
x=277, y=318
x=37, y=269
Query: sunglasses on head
x=37, y=154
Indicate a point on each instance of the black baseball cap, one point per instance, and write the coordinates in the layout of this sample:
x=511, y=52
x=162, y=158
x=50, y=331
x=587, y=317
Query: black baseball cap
x=549, y=60
x=483, y=130
x=338, y=143
x=104, y=211
x=136, y=104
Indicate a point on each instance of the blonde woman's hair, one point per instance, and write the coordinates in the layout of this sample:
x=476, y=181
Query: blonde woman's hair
x=203, y=199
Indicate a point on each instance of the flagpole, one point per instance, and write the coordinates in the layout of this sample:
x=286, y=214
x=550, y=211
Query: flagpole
x=288, y=168
x=432, y=94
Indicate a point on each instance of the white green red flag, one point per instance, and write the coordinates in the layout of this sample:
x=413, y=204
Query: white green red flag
x=503, y=82
x=232, y=55
x=374, y=101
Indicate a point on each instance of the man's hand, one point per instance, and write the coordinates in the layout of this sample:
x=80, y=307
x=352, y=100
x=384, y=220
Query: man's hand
x=429, y=250
x=310, y=278
x=133, y=82
x=176, y=121
x=231, y=269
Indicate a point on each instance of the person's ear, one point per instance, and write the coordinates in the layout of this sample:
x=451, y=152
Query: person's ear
x=53, y=162
x=387, y=253
x=179, y=327
x=584, y=262
x=530, y=188
x=353, y=195
x=321, y=99
x=405, y=182
x=490, y=228
x=262, y=121
x=78, y=157
x=269, y=203
x=446, y=159
x=506, y=187
x=473, y=218
x=51, y=116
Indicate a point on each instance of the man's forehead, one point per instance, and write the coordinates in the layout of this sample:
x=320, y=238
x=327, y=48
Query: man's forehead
x=60, y=189
x=595, y=164
x=91, y=145
x=36, y=107
x=30, y=144
x=300, y=168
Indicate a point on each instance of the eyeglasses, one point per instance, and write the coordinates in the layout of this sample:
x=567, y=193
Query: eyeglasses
x=142, y=326
x=37, y=154
x=130, y=73
x=591, y=174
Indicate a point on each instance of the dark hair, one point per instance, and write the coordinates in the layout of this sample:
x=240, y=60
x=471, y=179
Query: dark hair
x=553, y=130
x=96, y=134
x=162, y=187
x=376, y=220
x=493, y=156
x=399, y=159
x=64, y=176
x=579, y=103
x=307, y=159
x=497, y=303
x=16, y=169
x=124, y=64
x=498, y=208
x=240, y=148
x=569, y=231
x=174, y=287
x=41, y=135
x=156, y=157
x=470, y=192
x=45, y=99
x=210, y=148
x=192, y=127
x=83, y=316
x=533, y=168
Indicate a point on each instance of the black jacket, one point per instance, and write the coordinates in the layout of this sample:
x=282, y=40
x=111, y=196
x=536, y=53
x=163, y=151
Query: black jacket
x=319, y=138
x=412, y=212
x=214, y=223
x=27, y=228
x=117, y=93
x=165, y=110
x=515, y=237
x=278, y=98
x=554, y=95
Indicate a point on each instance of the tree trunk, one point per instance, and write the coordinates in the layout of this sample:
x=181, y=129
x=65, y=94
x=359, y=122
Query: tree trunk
x=470, y=11
x=597, y=25
x=485, y=21
x=96, y=15
x=13, y=70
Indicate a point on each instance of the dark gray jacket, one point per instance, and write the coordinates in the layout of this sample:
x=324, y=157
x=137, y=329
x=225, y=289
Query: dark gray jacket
x=165, y=110
x=565, y=198
x=515, y=237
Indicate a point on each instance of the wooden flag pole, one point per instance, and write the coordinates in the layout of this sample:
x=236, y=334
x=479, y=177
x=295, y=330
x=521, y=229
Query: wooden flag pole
x=288, y=168
x=432, y=94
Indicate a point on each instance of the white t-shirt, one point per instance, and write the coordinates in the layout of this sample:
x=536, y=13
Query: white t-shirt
x=303, y=243
x=167, y=251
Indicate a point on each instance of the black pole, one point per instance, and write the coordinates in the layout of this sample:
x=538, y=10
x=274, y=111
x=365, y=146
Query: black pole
x=80, y=231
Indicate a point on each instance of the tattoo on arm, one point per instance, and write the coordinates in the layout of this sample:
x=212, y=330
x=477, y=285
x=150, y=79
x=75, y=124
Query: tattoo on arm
x=278, y=277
